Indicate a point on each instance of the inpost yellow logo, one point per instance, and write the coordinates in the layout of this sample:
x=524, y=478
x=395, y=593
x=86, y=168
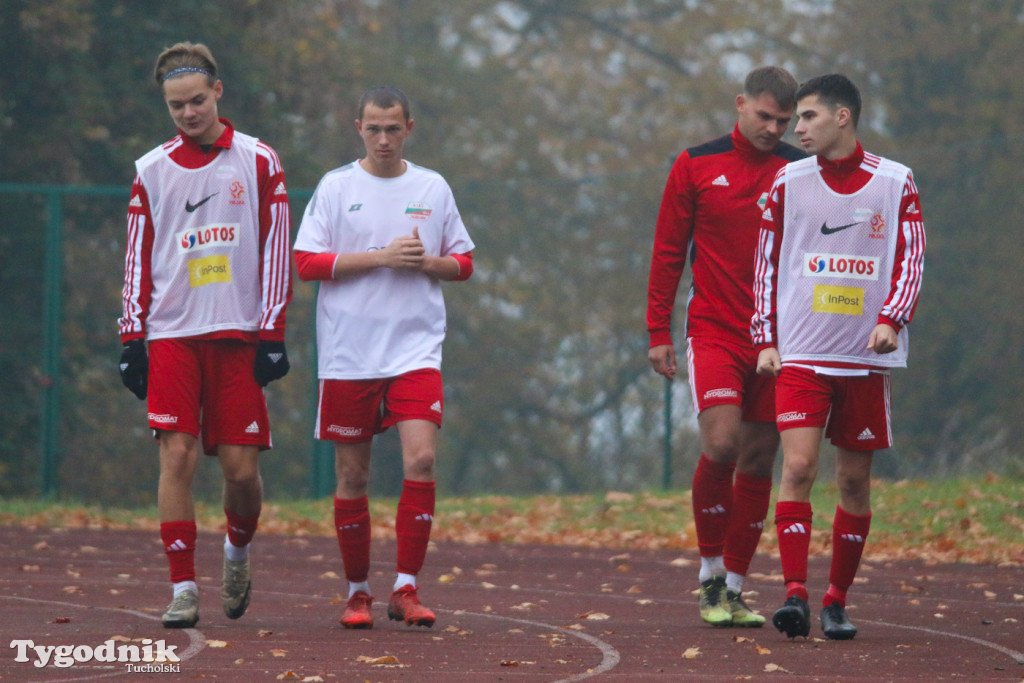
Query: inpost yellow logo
x=836, y=299
x=205, y=271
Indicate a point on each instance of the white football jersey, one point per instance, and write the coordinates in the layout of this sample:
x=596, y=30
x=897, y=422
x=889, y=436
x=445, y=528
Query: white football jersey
x=385, y=322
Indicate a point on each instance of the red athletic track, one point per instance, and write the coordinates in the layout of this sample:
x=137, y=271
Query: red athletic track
x=505, y=613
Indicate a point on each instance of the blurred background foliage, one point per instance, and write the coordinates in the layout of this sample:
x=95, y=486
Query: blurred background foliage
x=555, y=122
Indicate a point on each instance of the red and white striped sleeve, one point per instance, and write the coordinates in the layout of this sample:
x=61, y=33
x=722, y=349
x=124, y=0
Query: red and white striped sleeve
x=275, y=244
x=137, y=293
x=908, y=262
x=766, y=265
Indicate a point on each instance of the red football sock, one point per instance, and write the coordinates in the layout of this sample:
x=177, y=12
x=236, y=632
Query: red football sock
x=849, y=532
x=793, y=527
x=352, y=522
x=712, y=502
x=180, y=546
x=412, y=524
x=751, y=500
x=241, y=529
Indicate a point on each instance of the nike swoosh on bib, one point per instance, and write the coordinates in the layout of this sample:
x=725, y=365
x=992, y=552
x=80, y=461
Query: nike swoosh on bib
x=190, y=207
x=825, y=230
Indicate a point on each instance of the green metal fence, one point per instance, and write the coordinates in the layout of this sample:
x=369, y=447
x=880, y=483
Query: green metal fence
x=320, y=470
x=49, y=455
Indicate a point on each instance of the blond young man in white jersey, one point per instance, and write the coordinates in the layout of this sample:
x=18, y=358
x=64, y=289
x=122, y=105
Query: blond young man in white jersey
x=380, y=235
x=837, y=276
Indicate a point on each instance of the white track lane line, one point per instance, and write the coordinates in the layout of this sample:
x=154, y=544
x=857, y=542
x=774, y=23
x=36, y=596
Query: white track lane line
x=609, y=655
x=1013, y=654
x=196, y=639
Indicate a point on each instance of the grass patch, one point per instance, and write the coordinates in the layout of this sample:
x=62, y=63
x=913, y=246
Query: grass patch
x=976, y=520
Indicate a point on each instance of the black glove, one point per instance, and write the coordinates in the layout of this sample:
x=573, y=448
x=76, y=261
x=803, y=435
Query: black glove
x=135, y=367
x=271, y=362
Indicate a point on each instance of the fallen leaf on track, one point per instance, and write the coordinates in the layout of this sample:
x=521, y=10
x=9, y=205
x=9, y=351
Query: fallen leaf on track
x=387, y=661
x=593, y=616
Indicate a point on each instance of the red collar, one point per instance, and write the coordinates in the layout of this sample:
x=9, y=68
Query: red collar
x=224, y=141
x=744, y=146
x=843, y=166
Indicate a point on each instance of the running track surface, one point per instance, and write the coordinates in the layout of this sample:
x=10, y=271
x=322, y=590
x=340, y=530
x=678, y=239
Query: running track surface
x=504, y=613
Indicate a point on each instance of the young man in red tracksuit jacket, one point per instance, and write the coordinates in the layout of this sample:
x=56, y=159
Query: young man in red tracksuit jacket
x=710, y=210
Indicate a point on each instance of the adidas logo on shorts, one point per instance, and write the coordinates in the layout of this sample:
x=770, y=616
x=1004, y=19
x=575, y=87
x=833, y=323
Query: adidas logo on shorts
x=254, y=428
x=436, y=407
x=865, y=435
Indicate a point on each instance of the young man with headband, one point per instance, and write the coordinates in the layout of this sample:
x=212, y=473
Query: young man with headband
x=206, y=284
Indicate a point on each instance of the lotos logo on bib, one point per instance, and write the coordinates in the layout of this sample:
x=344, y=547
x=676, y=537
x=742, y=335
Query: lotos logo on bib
x=841, y=300
x=850, y=266
x=208, y=236
x=205, y=271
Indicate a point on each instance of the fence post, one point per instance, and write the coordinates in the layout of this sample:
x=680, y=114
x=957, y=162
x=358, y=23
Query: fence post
x=53, y=277
x=322, y=480
x=666, y=471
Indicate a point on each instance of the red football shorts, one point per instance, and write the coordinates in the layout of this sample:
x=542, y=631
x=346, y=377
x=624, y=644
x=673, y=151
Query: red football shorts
x=853, y=410
x=725, y=373
x=353, y=410
x=207, y=387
